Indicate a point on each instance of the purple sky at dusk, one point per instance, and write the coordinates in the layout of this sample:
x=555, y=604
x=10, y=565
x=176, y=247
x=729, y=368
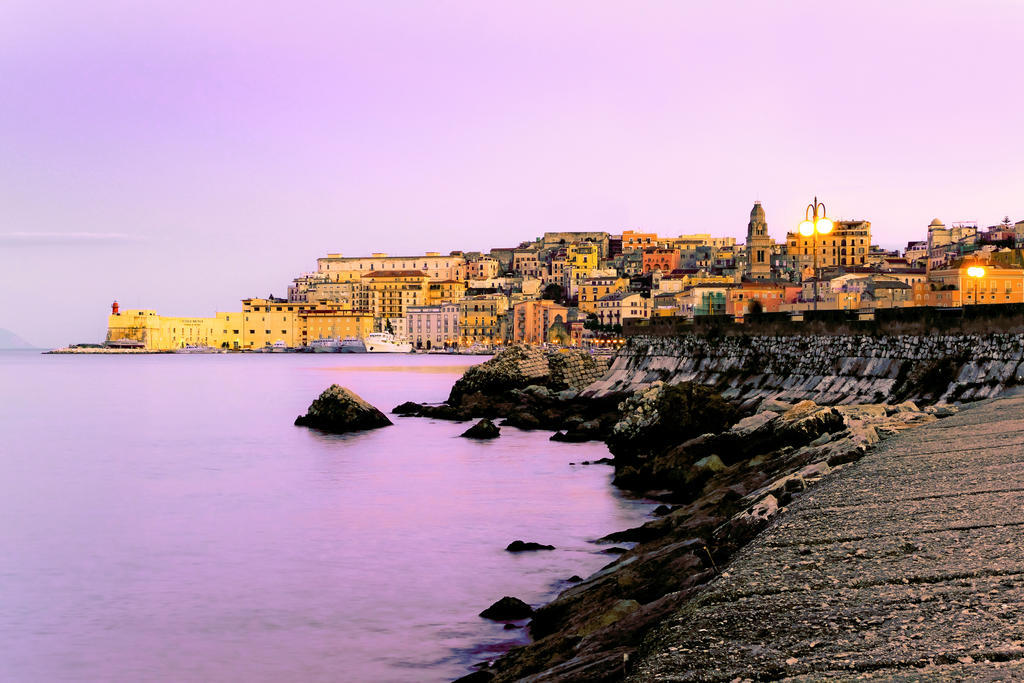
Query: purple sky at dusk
x=183, y=157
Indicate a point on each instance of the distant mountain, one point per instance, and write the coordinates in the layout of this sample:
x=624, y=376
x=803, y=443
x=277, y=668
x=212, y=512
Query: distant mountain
x=9, y=340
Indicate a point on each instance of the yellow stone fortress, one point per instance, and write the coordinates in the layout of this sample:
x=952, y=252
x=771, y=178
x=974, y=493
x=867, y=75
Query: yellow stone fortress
x=261, y=323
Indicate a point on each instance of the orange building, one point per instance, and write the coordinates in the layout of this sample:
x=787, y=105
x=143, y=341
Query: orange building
x=953, y=286
x=741, y=298
x=532, y=319
x=665, y=260
x=637, y=241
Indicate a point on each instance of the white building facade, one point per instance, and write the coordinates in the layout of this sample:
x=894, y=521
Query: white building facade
x=432, y=327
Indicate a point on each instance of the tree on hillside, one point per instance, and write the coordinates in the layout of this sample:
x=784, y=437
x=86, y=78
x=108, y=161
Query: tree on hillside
x=554, y=292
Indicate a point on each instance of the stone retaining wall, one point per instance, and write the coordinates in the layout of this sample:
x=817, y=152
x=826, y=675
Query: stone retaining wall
x=826, y=369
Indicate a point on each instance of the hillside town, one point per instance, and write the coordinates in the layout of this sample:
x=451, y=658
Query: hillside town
x=580, y=288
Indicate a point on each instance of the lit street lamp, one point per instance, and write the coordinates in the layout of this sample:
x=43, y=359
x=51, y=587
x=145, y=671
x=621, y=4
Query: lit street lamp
x=815, y=224
x=976, y=272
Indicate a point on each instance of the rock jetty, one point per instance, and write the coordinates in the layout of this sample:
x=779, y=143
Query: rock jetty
x=906, y=566
x=339, y=410
x=840, y=369
x=728, y=433
x=724, y=488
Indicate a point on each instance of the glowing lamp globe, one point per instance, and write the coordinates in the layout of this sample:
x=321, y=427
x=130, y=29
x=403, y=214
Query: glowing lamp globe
x=807, y=228
x=976, y=271
x=824, y=226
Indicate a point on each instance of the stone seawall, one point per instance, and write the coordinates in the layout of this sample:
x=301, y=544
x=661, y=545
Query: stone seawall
x=826, y=369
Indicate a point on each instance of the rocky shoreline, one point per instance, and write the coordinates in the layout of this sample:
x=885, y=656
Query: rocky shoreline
x=724, y=471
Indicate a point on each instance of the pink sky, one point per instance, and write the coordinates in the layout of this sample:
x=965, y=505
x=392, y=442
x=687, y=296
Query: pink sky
x=183, y=158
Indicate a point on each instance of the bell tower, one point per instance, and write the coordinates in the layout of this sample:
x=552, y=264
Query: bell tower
x=759, y=246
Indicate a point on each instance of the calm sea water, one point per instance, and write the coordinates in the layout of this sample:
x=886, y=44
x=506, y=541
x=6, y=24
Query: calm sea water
x=162, y=519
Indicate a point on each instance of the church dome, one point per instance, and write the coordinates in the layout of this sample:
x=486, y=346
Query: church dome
x=757, y=211
x=936, y=223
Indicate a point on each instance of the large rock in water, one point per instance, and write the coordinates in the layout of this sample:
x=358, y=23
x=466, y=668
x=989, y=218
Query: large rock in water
x=339, y=410
x=518, y=367
x=507, y=609
x=484, y=429
x=523, y=546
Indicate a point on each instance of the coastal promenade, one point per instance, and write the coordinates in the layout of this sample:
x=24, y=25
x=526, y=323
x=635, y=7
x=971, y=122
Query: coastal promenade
x=908, y=565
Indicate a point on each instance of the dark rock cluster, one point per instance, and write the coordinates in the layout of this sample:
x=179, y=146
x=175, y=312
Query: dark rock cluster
x=339, y=410
x=523, y=546
x=507, y=609
x=484, y=429
x=529, y=389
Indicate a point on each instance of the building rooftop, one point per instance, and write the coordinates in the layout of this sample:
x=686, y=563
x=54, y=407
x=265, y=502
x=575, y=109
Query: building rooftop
x=616, y=296
x=395, y=273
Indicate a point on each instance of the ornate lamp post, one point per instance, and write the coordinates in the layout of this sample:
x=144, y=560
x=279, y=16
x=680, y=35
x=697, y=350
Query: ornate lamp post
x=815, y=223
x=976, y=273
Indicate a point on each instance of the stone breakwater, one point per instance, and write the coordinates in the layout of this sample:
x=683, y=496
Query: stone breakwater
x=830, y=370
x=906, y=566
x=726, y=487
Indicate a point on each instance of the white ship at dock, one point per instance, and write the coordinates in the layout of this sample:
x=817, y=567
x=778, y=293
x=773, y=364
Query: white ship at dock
x=385, y=342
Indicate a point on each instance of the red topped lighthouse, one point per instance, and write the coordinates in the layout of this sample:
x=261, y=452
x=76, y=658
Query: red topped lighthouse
x=113, y=308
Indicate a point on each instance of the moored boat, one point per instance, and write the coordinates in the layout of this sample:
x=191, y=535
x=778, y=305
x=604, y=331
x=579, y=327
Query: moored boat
x=195, y=348
x=385, y=342
x=326, y=345
x=352, y=345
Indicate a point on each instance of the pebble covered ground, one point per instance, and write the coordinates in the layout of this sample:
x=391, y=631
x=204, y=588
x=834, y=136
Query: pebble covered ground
x=908, y=565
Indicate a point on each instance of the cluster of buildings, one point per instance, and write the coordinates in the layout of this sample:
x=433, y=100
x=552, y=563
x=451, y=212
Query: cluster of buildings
x=577, y=288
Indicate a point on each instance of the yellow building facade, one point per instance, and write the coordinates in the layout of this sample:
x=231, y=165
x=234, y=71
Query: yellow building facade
x=435, y=265
x=445, y=291
x=581, y=257
x=260, y=323
x=330, y=323
x=483, y=319
x=593, y=288
x=847, y=245
x=146, y=329
x=387, y=293
x=267, y=321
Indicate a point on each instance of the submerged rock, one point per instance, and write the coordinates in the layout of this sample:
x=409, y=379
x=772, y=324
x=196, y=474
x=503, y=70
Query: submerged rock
x=407, y=408
x=340, y=410
x=522, y=546
x=484, y=429
x=507, y=609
